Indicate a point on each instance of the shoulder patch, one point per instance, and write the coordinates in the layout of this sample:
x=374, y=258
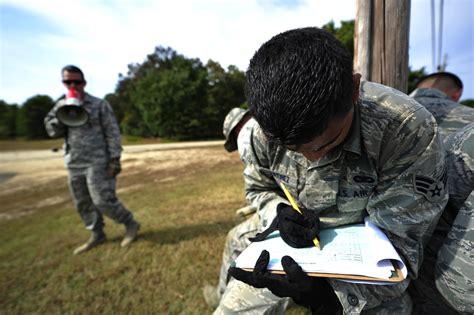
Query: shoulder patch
x=432, y=189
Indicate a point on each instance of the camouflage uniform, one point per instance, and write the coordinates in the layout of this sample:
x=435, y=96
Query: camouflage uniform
x=88, y=149
x=391, y=168
x=454, y=273
x=243, y=300
x=237, y=238
x=240, y=298
x=450, y=115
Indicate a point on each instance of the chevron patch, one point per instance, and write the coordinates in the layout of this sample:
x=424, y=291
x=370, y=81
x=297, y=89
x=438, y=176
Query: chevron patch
x=432, y=189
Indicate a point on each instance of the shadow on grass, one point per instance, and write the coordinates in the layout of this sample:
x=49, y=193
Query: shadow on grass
x=184, y=233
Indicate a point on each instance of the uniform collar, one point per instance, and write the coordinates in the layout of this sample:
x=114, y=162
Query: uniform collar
x=429, y=93
x=87, y=98
x=353, y=140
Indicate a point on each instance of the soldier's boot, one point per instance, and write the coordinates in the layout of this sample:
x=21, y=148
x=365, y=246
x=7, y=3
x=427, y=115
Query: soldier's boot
x=131, y=232
x=97, y=237
x=211, y=296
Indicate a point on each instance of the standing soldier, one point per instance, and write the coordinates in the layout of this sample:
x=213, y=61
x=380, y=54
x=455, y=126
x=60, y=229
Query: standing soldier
x=92, y=157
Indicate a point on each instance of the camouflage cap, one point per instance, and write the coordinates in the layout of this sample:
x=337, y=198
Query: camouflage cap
x=231, y=120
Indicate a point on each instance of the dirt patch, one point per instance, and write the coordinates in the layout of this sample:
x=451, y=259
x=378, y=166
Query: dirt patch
x=26, y=183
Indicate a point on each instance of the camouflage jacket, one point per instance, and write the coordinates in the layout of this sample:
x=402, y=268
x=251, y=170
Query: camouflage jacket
x=243, y=140
x=95, y=142
x=449, y=115
x=454, y=273
x=390, y=168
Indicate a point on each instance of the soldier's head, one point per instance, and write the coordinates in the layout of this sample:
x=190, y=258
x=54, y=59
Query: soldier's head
x=301, y=90
x=233, y=122
x=448, y=83
x=73, y=78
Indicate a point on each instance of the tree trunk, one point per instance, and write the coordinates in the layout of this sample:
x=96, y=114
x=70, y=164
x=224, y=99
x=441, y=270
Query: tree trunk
x=381, y=41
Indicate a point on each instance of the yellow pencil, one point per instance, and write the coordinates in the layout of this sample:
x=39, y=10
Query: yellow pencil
x=295, y=206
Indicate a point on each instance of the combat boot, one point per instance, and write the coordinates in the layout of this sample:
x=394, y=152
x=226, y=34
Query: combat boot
x=97, y=237
x=211, y=296
x=131, y=232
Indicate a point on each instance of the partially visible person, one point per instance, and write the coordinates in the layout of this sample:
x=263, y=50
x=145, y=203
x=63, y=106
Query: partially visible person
x=454, y=272
x=346, y=150
x=238, y=128
x=92, y=157
x=440, y=93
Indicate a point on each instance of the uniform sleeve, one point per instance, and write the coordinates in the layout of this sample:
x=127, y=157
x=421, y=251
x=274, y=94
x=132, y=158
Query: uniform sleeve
x=54, y=128
x=454, y=275
x=454, y=271
x=111, y=131
x=407, y=202
x=260, y=186
x=460, y=150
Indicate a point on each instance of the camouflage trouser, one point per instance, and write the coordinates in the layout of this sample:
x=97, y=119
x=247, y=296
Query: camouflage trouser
x=237, y=240
x=398, y=306
x=240, y=298
x=236, y=296
x=93, y=193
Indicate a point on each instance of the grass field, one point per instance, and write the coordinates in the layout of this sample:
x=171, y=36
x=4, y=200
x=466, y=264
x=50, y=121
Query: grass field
x=185, y=214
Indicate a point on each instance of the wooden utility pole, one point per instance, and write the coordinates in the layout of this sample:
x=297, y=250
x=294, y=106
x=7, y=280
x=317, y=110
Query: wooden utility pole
x=381, y=41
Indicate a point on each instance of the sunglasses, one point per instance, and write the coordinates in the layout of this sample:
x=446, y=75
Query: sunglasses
x=76, y=82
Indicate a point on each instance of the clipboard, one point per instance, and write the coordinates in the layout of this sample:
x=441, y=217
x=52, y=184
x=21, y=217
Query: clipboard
x=397, y=275
x=356, y=253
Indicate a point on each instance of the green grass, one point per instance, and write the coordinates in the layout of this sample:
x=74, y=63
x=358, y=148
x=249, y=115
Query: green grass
x=184, y=224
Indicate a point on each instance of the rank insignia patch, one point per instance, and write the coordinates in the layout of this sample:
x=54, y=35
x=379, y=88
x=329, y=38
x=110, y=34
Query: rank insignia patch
x=432, y=189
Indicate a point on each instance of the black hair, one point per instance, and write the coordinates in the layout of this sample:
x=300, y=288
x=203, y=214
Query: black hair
x=73, y=69
x=297, y=82
x=443, y=79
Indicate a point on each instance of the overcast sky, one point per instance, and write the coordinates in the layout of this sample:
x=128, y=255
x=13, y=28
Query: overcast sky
x=39, y=37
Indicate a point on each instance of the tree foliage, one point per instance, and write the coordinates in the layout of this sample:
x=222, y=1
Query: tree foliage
x=413, y=77
x=8, y=117
x=468, y=102
x=31, y=116
x=167, y=95
x=344, y=33
x=226, y=90
x=172, y=96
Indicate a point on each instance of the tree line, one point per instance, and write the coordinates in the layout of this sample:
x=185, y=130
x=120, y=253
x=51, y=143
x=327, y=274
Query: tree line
x=167, y=95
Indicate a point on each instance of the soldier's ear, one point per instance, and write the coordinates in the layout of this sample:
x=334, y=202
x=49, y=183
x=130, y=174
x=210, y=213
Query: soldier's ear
x=456, y=95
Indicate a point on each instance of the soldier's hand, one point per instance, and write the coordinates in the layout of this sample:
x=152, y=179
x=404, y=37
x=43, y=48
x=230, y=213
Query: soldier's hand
x=114, y=167
x=312, y=292
x=297, y=230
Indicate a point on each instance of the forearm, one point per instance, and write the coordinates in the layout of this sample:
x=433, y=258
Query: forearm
x=53, y=126
x=263, y=192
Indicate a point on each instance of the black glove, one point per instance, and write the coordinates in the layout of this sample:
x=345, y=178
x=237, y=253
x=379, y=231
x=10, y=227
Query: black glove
x=297, y=230
x=114, y=167
x=312, y=292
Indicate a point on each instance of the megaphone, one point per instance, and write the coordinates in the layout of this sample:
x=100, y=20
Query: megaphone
x=71, y=113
